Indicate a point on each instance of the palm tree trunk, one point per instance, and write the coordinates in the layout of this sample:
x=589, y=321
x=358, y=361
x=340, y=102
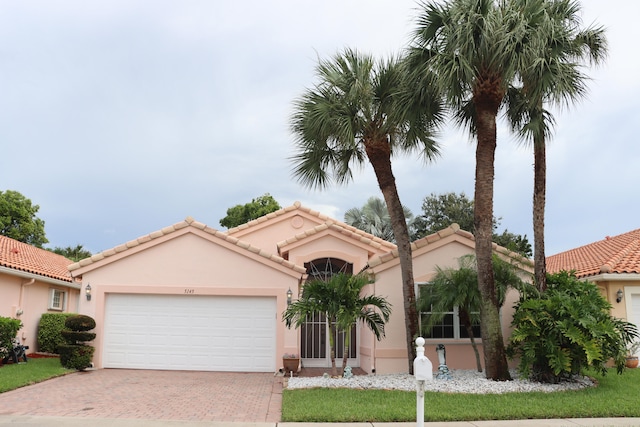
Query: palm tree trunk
x=465, y=319
x=539, y=201
x=345, y=351
x=379, y=155
x=332, y=344
x=495, y=359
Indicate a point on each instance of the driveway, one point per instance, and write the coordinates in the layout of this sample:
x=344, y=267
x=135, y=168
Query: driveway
x=145, y=394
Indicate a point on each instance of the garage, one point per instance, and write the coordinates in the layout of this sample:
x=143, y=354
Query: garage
x=190, y=332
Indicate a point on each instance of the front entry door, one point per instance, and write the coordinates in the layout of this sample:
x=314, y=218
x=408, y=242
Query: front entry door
x=315, y=348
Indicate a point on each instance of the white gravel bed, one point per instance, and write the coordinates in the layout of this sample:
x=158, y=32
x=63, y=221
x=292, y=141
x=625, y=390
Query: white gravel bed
x=463, y=381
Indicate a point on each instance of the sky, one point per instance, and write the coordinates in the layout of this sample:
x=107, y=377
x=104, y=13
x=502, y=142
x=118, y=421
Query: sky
x=121, y=117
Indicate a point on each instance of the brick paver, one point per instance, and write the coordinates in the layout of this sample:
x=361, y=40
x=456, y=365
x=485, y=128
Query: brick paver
x=146, y=394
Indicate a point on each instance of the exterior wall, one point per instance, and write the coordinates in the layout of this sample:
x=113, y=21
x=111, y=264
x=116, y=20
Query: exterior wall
x=19, y=293
x=189, y=264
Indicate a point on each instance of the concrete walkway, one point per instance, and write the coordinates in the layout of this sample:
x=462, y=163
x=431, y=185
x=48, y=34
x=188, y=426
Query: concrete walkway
x=33, y=421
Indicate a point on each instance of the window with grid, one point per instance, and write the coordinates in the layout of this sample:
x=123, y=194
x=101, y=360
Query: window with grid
x=449, y=326
x=56, y=299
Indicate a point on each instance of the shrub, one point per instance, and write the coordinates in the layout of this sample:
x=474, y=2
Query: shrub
x=75, y=354
x=49, y=331
x=8, y=329
x=566, y=329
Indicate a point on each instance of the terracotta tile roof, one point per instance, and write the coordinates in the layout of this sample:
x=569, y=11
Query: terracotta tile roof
x=327, y=222
x=618, y=254
x=188, y=222
x=453, y=229
x=23, y=257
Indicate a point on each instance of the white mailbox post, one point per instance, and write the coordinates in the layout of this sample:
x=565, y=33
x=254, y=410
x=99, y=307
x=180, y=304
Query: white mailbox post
x=423, y=371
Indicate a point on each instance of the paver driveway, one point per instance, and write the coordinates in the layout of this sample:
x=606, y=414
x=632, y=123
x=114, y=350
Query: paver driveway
x=145, y=394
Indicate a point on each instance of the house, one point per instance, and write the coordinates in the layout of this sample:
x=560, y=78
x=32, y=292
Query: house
x=34, y=281
x=613, y=264
x=189, y=297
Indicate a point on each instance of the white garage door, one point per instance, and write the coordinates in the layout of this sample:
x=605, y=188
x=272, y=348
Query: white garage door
x=188, y=332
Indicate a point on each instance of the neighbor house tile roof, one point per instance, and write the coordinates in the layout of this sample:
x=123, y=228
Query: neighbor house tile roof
x=188, y=222
x=618, y=254
x=23, y=257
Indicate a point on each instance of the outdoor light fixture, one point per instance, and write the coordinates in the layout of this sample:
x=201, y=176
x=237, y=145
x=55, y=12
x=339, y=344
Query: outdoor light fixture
x=289, y=296
x=87, y=291
x=619, y=295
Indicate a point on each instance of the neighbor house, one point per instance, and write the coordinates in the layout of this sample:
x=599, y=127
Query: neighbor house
x=613, y=264
x=34, y=281
x=189, y=297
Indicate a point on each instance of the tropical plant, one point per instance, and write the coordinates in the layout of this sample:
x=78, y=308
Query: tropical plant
x=555, y=77
x=365, y=109
x=476, y=49
x=73, y=253
x=568, y=328
x=374, y=218
x=9, y=327
x=458, y=287
x=339, y=299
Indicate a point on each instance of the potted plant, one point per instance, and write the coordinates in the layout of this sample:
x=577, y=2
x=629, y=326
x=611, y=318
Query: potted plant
x=290, y=362
x=632, y=350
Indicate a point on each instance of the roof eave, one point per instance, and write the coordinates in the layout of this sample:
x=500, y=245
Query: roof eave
x=38, y=277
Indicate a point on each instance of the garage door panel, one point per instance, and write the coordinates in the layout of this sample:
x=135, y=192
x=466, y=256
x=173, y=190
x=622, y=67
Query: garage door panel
x=190, y=332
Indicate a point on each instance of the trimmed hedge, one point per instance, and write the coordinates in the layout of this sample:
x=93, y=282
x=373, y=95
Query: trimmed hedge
x=49, y=331
x=76, y=354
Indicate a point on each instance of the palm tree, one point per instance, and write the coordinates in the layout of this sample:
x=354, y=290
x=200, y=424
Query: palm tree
x=364, y=109
x=476, y=48
x=374, y=218
x=458, y=287
x=339, y=299
x=556, y=78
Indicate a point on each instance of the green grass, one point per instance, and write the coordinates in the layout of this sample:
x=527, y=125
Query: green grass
x=14, y=376
x=615, y=396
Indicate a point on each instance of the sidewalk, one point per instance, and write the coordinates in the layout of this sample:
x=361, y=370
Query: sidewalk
x=33, y=421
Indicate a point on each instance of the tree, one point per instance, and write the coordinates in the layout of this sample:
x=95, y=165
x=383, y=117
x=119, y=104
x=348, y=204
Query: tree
x=373, y=218
x=442, y=210
x=458, y=287
x=476, y=49
x=554, y=78
x=18, y=219
x=339, y=299
x=74, y=254
x=241, y=214
x=364, y=109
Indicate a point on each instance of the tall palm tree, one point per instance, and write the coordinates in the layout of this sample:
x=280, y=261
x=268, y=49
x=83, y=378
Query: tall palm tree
x=364, y=109
x=458, y=287
x=555, y=78
x=339, y=299
x=374, y=218
x=476, y=48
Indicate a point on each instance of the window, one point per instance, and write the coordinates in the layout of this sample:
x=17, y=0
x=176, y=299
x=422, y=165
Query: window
x=56, y=299
x=448, y=326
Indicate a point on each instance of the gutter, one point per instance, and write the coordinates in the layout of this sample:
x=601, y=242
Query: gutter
x=30, y=276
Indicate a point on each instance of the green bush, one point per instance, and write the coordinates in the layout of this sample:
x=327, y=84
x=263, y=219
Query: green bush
x=78, y=357
x=566, y=329
x=78, y=337
x=49, y=331
x=75, y=354
x=80, y=322
x=8, y=329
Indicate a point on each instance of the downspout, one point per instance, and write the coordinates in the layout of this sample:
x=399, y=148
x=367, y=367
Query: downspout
x=20, y=310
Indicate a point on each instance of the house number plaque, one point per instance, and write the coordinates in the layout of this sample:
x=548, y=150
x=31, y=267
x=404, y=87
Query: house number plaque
x=189, y=291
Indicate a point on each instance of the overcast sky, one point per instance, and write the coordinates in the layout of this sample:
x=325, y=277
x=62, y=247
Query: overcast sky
x=119, y=118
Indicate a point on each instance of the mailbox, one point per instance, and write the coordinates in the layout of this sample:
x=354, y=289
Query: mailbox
x=422, y=366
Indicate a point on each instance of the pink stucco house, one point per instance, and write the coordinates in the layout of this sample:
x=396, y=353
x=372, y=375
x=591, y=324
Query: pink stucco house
x=190, y=297
x=34, y=281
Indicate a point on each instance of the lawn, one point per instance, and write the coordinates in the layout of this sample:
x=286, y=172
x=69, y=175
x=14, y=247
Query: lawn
x=13, y=376
x=615, y=396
